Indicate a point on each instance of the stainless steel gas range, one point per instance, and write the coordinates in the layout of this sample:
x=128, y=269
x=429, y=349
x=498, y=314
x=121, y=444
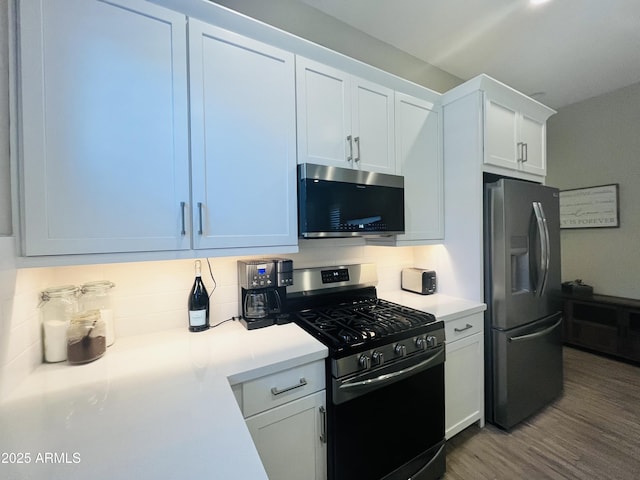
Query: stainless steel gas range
x=385, y=375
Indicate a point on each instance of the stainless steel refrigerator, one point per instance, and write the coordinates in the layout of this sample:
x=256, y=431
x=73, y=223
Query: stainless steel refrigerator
x=523, y=327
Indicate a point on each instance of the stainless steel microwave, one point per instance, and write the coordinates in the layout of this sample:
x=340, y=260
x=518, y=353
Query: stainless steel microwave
x=344, y=202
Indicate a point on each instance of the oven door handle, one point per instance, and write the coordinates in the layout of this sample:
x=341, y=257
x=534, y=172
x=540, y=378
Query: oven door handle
x=395, y=375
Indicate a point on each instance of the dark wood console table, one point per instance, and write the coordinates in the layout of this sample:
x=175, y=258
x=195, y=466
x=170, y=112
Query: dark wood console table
x=603, y=323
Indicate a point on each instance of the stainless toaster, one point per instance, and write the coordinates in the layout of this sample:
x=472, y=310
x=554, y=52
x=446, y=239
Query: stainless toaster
x=419, y=280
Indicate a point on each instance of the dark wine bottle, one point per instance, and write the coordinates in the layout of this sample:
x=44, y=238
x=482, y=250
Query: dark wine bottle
x=198, y=304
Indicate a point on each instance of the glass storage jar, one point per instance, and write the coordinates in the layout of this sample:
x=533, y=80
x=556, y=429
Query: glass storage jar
x=97, y=296
x=86, y=340
x=58, y=305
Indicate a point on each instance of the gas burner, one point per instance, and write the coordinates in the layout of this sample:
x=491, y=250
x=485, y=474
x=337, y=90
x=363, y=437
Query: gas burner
x=361, y=323
x=349, y=337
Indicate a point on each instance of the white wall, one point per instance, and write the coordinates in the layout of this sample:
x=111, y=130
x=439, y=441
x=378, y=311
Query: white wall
x=20, y=350
x=597, y=142
x=300, y=19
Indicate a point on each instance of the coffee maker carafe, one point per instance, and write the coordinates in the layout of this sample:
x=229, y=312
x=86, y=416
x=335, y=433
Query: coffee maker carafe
x=263, y=291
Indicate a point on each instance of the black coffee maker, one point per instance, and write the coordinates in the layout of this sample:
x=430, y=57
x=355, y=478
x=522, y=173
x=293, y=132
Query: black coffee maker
x=263, y=293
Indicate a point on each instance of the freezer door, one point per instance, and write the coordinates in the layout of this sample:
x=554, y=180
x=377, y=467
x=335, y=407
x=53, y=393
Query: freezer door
x=522, y=255
x=527, y=371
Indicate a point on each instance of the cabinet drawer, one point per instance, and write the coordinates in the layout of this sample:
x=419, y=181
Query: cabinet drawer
x=463, y=327
x=272, y=390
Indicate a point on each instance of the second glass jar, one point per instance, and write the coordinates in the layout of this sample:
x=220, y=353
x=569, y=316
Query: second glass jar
x=97, y=296
x=86, y=337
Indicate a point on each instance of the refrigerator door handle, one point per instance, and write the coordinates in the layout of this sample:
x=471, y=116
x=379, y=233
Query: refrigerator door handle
x=541, y=333
x=544, y=247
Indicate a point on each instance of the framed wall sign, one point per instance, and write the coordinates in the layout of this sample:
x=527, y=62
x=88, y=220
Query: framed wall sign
x=592, y=207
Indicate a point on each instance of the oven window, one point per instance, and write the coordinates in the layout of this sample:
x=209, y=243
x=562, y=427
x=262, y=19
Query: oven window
x=372, y=435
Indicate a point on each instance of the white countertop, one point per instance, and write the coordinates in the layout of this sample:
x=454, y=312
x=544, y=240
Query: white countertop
x=160, y=406
x=443, y=307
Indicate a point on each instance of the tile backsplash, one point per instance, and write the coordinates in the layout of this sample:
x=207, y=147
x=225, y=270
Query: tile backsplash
x=151, y=296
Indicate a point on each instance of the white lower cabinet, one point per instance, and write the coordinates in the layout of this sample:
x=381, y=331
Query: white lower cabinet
x=288, y=439
x=285, y=414
x=464, y=373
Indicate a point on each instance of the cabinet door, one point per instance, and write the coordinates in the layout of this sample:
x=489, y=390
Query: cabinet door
x=533, y=136
x=242, y=141
x=630, y=334
x=420, y=160
x=288, y=439
x=501, y=134
x=373, y=127
x=464, y=384
x=104, y=127
x=323, y=115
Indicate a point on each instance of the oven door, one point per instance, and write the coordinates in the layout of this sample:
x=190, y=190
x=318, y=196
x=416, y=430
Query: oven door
x=389, y=422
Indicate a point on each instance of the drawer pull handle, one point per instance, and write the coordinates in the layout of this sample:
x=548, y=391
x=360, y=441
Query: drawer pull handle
x=276, y=391
x=463, y=329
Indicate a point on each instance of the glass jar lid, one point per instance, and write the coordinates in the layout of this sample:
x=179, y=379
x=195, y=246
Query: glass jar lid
x=86, y=317
x=97, y=286
x=58, y=292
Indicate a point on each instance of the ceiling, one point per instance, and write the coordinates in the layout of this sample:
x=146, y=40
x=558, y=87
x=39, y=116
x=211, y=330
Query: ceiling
x=560, y=52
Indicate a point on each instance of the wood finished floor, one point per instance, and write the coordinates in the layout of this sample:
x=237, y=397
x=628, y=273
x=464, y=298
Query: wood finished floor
x=591, y=432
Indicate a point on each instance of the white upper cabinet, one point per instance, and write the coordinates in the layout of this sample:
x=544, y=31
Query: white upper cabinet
x=419, y=158
x=343, y=120
x=243, y=141
x=515, y=130
x=104, y=127
x=533, y=139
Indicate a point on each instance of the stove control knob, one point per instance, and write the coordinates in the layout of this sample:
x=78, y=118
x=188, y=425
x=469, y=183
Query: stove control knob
x=365, y=361
x=377, y=358
x=431, y=341
x=420, y=343
x=400, y=350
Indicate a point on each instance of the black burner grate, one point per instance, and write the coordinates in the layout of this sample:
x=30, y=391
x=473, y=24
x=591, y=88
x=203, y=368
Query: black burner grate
x=359, y=322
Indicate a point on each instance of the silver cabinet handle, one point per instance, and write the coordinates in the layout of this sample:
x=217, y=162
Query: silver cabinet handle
x=323, y=424
x=200, y=218
x=520, y=151
x=463, y=329
x=350, y=145
x=182, y=208
x=525, y=152
x=301, y=383
x=357, y=142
